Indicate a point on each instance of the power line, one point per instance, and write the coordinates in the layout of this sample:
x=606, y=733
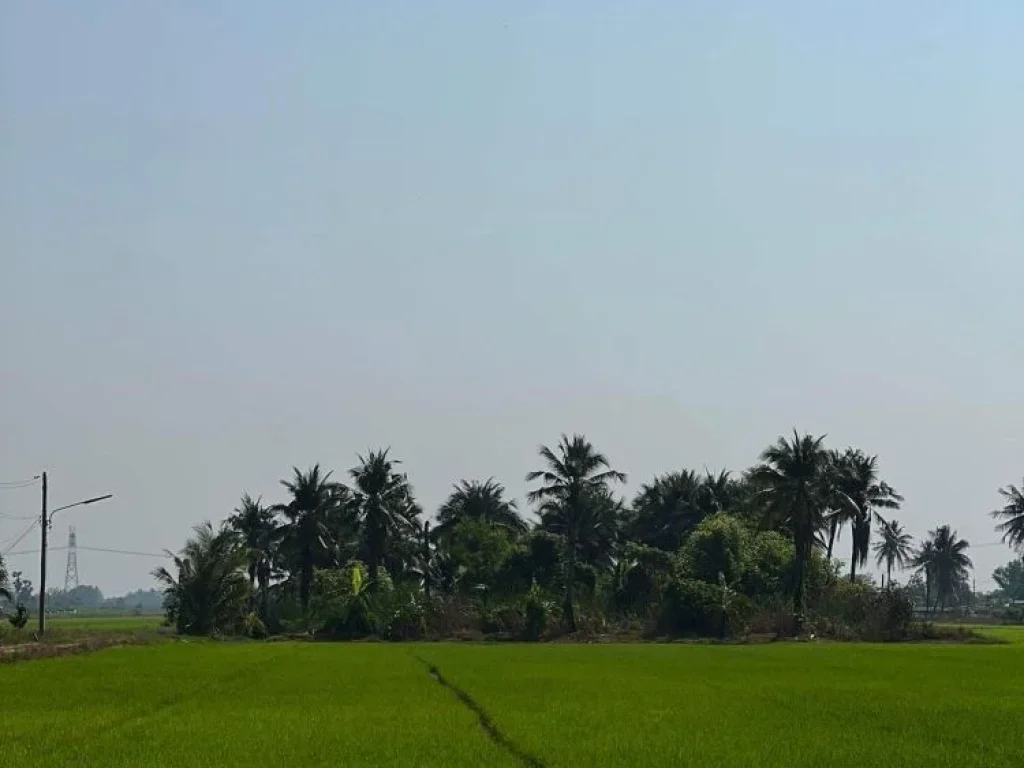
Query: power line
x=14, y=484
x=17, y=541
x=126, y=552
x=92, y=549
x=6, y=516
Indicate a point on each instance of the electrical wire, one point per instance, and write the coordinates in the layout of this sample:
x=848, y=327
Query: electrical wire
x=17, y=541
x=124, y=552
x=14, y=484
x=91, y=549
x=5, y=516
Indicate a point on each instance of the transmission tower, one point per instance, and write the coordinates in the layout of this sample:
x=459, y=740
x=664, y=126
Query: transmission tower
x=71, y=573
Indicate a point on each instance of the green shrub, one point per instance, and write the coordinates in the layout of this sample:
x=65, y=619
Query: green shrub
x=402, y=614
x=507, y=619
x=716, y=546
x=537, y=609
x=19, y=618
x=692, y=607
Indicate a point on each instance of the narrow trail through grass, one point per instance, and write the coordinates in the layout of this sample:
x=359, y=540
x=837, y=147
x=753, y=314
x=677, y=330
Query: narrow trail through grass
x=214, y=705
x=222, y=705
x=487, y=724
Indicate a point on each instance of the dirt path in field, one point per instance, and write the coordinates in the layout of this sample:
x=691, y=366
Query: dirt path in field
x=487, y=724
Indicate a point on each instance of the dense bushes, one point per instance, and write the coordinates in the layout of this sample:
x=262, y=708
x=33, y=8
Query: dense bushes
x=727, y=581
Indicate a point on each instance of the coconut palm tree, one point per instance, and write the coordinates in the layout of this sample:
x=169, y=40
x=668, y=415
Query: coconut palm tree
x=895, y=548
x=952, y=564
x=210, y=590
x=667, y=509
x=597, y=527
x=311, y=519
x=1012, y=516
x=386, y=509
x=839, y=510
x=574, y=488
x=861, y=494
x=923, y=562
x=250, y=520
x=857, y=495
x=943, y=559
x=481, y=501
x=792, y=485
x=257, y=525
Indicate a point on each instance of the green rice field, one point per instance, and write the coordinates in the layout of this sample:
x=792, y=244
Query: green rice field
x=320, y=704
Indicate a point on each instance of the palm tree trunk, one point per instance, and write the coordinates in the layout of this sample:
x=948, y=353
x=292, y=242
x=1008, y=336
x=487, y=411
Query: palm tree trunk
x=798, y=590
x=888, y=574
x=306, y=582
x=833, y=529
x=570, y=607
x=426, y=559
x=264, y=579
x=853, y=568
x=252, y=585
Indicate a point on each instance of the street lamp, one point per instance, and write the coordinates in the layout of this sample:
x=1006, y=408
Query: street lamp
x=47, y=520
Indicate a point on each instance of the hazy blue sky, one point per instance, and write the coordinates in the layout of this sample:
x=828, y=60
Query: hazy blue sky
x=237, y=237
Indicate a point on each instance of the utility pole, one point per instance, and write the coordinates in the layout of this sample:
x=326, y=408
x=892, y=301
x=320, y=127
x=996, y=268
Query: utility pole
x=45, y=523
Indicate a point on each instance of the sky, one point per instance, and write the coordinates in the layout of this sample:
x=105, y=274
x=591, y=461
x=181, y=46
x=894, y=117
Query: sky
x=238, y=237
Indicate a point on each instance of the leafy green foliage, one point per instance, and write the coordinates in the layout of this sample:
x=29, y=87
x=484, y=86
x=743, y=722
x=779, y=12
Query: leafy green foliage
x=717, y=547
x=481, y=502
x=1010, y=578
x=314, y=514
x=944, y=561
x=210, y=591
x=574, y=502
x=6, y=591
x=19, y=618
x=1011, y=515
x=480, y=549
x=794, y=484
x=761, y=540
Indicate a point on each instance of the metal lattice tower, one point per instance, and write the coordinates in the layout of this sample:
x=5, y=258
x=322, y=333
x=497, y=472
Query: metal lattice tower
x=71, y=573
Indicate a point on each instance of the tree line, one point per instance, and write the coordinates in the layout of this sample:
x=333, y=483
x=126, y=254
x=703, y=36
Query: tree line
x=690, y=553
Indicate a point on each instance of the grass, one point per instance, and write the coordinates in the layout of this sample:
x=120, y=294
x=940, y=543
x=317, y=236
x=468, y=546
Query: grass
x=106, y=623
x=1013, y=634
x=69, y=629
x=236, y=704
x=303, y=704
x=773, y=705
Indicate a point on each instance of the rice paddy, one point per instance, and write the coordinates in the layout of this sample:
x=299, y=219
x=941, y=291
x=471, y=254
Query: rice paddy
x=313, y=704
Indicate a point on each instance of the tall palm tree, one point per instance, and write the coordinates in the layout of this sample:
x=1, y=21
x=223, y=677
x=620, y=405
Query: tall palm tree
x=257, y=525
x=950, y=562
x=791, y=481
x=895, y=548
x=1012, y=516
x=210, y=590
x=839, y=511
x=481, y=501
x=386, y=508
x=574, y=485
x=861, y=494
x=668, y=508
x=924, y=562
x=597, y=529
x=315, y=501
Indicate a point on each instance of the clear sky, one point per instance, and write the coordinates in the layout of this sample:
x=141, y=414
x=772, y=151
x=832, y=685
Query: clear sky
x=237, y=237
